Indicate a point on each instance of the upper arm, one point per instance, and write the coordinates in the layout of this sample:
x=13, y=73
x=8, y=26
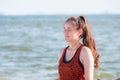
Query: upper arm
x=88, y=62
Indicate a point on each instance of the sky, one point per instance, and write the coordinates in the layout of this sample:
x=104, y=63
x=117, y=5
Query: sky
x=24, y=7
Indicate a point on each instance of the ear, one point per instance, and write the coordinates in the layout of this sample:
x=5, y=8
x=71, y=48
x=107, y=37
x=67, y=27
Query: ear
x=80, y=32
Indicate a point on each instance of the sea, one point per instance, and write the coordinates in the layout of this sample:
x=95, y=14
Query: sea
x=30, y=45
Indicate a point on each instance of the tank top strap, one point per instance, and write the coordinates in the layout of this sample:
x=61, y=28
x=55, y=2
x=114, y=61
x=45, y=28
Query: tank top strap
x=78, y=52
x=64, y=51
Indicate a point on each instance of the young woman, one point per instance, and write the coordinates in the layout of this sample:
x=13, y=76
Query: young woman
x=77, y=61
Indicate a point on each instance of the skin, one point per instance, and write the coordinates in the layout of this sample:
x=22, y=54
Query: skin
x=71, y=35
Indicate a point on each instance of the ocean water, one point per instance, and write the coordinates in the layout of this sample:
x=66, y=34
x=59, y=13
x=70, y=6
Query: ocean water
x=30, y=46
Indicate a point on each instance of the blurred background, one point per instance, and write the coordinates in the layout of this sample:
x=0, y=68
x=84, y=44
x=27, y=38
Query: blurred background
x=31, y=36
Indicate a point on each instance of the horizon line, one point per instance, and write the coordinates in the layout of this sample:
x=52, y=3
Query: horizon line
x=4, y=14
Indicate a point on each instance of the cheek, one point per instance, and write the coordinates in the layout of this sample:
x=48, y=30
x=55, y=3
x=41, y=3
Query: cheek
x=75, y=35
x=72, y=34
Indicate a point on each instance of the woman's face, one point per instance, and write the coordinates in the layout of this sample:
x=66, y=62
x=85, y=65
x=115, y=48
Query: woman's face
x=70, y=32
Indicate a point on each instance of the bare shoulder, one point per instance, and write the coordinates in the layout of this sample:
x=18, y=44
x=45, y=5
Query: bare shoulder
x=85, y=51
x=86, y=54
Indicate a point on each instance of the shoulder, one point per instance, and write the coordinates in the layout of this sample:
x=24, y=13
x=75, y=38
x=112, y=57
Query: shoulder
x=86, y=54
x=85, y=50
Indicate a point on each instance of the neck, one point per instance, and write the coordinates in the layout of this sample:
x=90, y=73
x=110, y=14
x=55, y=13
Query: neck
x=74, y=45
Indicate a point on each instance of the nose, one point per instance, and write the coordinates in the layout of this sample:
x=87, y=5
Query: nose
x=65, y=32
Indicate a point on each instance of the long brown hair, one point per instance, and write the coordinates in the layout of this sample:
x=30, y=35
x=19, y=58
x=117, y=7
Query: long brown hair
x=87, y=38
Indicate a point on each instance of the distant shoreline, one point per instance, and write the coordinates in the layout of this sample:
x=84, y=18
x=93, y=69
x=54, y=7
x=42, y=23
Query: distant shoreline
x=55, y=14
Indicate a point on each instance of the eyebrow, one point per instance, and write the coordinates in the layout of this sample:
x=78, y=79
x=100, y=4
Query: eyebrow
x=68, y=27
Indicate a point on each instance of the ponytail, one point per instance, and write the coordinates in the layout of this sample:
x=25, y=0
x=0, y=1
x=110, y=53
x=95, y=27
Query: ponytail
x=89, y=41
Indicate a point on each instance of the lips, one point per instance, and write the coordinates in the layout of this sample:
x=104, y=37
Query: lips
x=66, y=36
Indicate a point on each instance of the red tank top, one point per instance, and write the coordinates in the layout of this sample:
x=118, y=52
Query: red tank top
x=72, y=69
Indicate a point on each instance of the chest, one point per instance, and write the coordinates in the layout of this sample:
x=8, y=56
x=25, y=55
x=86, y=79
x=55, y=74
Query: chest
x=69, y=55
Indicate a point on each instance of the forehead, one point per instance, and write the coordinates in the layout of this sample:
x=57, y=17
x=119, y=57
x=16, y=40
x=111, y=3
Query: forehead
x=69, y=25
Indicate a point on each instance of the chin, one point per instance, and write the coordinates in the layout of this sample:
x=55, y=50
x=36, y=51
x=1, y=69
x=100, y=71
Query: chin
x=66, y=40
